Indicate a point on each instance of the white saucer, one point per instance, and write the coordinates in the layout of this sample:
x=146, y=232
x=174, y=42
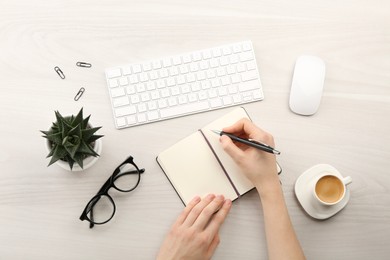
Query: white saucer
x=303, y=190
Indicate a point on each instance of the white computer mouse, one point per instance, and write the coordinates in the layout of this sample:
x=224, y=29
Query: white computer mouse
x=307, y=85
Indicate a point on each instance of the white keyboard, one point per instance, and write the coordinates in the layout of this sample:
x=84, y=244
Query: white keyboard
x=185, y=84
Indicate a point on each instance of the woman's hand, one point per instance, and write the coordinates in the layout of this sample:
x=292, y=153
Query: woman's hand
x=194, y=235
x=258, y=166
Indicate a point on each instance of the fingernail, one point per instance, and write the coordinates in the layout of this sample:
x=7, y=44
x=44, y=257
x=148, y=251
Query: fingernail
x=220, y=197
x=210, y=196
x=196, y=199
x=228, y=202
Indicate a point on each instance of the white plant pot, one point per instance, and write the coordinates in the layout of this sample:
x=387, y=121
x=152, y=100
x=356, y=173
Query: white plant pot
x=88, y=162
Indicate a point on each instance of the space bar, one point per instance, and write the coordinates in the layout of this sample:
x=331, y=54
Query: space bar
x=184, y=109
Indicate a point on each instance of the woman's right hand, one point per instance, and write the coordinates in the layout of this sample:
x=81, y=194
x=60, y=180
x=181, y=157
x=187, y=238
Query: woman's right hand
x=257, y=165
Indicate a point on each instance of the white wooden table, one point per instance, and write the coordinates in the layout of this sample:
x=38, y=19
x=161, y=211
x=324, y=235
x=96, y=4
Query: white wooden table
x=40, y=206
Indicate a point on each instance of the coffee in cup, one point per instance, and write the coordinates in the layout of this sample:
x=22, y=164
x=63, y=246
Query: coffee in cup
x=330, y=189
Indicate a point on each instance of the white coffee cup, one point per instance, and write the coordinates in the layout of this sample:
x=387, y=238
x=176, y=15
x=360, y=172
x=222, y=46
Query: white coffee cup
x=329, y=189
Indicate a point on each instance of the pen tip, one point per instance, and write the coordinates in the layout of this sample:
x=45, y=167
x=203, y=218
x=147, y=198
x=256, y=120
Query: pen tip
x=216, y=131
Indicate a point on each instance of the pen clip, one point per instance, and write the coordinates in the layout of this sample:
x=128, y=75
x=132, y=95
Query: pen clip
x=258, y=142
x=265, y=145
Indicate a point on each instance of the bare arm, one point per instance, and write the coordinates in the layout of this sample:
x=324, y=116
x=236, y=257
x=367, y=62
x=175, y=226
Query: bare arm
x=260, y=168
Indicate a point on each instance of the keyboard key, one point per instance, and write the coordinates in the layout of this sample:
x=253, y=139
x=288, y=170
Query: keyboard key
x=153, y=115
x=251, y=65
x=141, y=118
x=249, y=75
x=186, y=58
x=113, y=73
x=112, y=83
x=233, y=89
x=123, y=81
x=145, y=97
x=126, y=70
x=141, y=107
x=197, y=56
x=176, y=60
x=173, y=71
x=258, y=94
x=130, y=90
x=136, y=68
x=182, y=99
x=133, y=79
x=206, y=54
x=236, y=48
x=249, y=85
x=156, y=64
x=131, y=120
x=245, y=56
x=162, y=103
x=167, y=62
x=217, y=52
x=123, y=111
x=164, y=73
x=172, y=101
x=146, y=66
x=117, y=92
x=121, y=101
x=226, y=50
x=134, y=99
x=227, y=100
x=246, y=46
x=120, y=122
x=182, y=110
x=152, y=105
x=143, y=77
x=153, y=75
x=216, y=102
x=237, y=98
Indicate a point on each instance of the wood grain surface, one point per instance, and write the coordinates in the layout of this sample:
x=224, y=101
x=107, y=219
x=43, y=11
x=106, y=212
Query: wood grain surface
x=40, y=206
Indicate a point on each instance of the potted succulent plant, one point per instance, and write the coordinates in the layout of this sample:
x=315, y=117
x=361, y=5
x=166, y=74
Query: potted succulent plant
x=72, y=140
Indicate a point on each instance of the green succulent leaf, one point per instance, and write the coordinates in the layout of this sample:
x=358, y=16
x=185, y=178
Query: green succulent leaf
x=71, y=144
x=78, y=119
x=88, y=133
x=71, y=139
x=54, y=138
x=84, y=124
x=87, y=149
x=59, y=153
x=94, y=138
x=79, y=159
x=75, y=131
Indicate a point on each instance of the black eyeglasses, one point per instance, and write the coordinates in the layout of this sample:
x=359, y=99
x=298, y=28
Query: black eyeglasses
x=101, y=208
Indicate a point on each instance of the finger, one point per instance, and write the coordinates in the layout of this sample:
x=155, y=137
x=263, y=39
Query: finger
x=219, y=218
x=208, y=212
x=237, y=127
x=245, y=128
x=182, y=217
x=195, y=211
x=231, y=149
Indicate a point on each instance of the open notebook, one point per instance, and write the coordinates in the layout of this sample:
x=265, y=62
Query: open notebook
x=197, y=165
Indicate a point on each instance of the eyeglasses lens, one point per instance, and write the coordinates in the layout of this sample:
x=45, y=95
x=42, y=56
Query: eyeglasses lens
x=128, y=178
x=101, y=209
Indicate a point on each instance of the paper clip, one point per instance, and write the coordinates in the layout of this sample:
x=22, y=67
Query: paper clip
x=79, y=94
x=83, y=64
x=59, y=72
